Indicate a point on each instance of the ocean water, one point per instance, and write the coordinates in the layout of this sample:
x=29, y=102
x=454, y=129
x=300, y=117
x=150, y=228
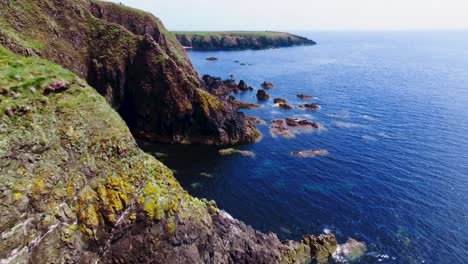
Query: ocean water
x=395, y=118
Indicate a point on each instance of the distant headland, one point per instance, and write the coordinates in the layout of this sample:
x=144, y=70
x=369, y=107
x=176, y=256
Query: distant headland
x=239, y=40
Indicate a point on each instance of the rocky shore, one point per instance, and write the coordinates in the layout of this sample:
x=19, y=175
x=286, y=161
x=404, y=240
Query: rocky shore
x=240, y=40
x=75, y=187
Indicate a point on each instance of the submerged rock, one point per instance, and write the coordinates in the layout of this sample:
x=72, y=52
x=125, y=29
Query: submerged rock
x=231, y=151
x=310, y=153
x=350, y=251
x=289, y=127
x=305, y=96
x=310, y=106
x=267, y=85
x=262, y=95
x=211, y=59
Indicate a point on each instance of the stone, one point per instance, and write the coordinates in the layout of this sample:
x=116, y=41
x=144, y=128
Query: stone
x=310, y=106
x=267, y=85
x=262, y=95
x=279, y=100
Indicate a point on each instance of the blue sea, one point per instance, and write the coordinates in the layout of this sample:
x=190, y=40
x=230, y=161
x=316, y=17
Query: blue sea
x=394, y=111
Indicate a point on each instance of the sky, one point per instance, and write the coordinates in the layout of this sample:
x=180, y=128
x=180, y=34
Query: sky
x=307, y=14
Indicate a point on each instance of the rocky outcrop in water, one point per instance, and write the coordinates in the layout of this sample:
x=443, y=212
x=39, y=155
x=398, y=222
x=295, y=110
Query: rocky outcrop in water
x=218, y=86
x=289, y=127
x=129, y=57
x=267, y=85
x=239, y=40
x=262, y=95
x=310, y=106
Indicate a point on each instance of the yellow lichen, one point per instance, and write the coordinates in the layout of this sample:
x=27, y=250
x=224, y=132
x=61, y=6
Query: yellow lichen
x=132, y=217
x=171, y=226
x=38, y=187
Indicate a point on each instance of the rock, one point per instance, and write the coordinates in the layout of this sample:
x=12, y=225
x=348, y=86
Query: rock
x=211, y=59
x=350, y=251
x=5, y=91
x=56, y=87
x=310, y=106
x=267, y=85
x=279, y=100
x=262, y=95
x=280, y=128
x=9, y=112
x=310, y=153
x=231, y=151
x=258, y=120
x=305, y=96
x=216, y=86
x=285, y=106
x=322, y=246
x=239, y=104
x=288, y=127
x=242, y=86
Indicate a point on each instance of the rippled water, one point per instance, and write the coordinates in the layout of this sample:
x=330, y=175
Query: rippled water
x=394, y=108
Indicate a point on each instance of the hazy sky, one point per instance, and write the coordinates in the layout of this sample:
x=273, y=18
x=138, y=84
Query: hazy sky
x=307, y=14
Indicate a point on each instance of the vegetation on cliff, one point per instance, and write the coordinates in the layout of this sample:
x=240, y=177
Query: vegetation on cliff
x=129, y=57
x=76, y=188
x=239, y=40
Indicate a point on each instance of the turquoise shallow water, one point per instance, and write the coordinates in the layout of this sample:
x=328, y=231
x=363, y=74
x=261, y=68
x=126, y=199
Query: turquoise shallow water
x=395, y=117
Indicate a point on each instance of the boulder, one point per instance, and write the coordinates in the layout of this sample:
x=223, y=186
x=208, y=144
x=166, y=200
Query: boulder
x=262, y=95
x=242, y=86
x=267, y=85
x=279, y=100
x=285, y=106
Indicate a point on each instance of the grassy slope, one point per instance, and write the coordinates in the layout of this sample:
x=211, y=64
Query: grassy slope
x=70, y=153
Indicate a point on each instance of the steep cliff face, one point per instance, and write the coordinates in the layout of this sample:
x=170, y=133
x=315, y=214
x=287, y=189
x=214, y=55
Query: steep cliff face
x=129, y=57
x=75, y=188
x=240, y=40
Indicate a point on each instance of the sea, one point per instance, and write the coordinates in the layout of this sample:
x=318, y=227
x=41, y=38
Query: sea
x=394, y=117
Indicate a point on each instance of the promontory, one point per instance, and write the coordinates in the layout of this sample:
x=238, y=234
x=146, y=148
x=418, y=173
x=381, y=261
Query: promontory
x=239, y=40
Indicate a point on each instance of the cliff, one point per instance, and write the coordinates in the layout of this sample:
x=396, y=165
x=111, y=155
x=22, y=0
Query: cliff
x=129, y=57
x=240, y=40
x=76, y=188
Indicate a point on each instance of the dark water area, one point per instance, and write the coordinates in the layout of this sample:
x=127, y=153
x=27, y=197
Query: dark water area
x=395, y=118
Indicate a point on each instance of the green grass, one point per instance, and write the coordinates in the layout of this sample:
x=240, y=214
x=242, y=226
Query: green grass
x=21, y=75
